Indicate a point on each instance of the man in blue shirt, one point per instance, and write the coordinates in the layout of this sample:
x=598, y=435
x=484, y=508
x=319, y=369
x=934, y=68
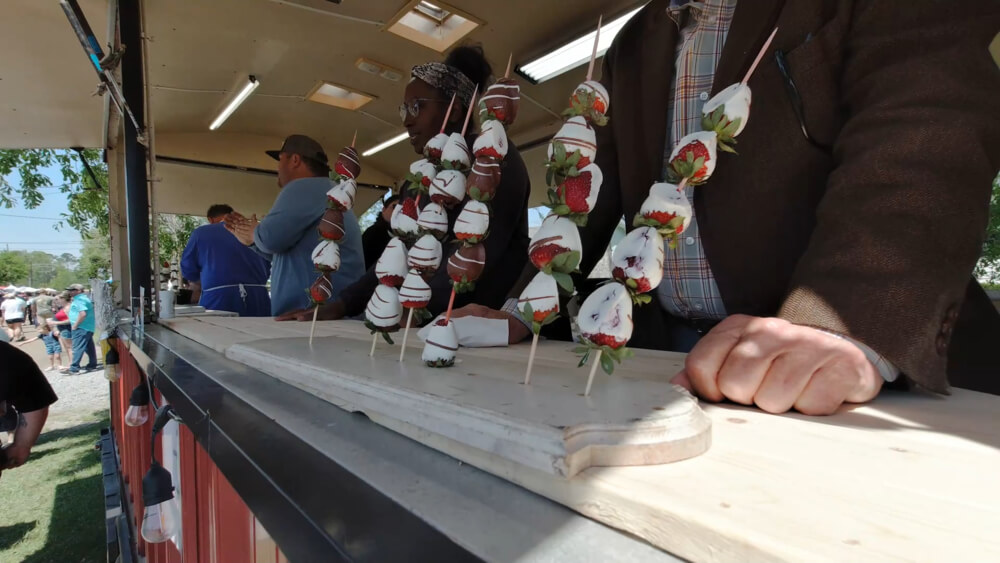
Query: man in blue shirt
x=228, y=275
x=287, y=234
x=81, y=315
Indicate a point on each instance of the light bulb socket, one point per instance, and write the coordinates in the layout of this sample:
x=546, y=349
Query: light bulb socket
x=157, y=485
x=164, y=415
x=140, y=395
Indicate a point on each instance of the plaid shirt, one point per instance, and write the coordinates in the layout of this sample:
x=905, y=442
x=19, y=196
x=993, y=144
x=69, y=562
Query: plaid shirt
x=688, y=288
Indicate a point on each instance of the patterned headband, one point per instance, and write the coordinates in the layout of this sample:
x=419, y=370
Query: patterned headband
x=448, y=79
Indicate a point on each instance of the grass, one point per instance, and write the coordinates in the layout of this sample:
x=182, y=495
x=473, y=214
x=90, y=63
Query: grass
x=53, y=506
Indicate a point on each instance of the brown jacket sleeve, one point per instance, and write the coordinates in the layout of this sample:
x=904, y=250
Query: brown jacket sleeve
x=901, y=223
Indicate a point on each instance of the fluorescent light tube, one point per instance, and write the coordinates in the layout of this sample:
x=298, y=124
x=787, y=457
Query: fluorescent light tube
x=244, y=93
x=574, y=53
x=387, y=144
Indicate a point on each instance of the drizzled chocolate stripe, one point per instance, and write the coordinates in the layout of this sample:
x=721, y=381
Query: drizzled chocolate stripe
x=572, y=142
x=449, y=348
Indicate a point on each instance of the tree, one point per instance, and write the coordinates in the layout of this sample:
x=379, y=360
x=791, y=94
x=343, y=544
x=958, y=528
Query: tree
x=174, y=232
x=988, y=268
x=88, y=200
x=95, y=257
x=13, y=267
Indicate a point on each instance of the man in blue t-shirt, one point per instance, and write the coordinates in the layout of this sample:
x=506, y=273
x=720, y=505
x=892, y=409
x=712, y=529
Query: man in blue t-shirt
x=287, y=234
x=227, y=275
x=84, y=323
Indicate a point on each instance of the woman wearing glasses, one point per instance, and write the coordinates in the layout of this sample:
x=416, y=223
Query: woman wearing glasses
x=425, y=103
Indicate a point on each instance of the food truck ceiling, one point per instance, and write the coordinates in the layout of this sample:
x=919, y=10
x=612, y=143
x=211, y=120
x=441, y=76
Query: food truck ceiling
x=200, y=51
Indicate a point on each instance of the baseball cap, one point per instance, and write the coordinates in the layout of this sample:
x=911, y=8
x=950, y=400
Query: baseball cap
x=75, y=287
x=303, y=146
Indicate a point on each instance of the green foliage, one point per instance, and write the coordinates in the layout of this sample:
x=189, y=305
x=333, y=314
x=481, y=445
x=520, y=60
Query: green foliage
x=13, y=268
x=95, y=258
x=173, y=232
x=988, y=268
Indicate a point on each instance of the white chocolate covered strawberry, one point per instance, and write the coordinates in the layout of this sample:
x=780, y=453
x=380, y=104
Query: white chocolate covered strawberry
x=727, y=113
x=433, y=220
x=666, y=209
x=448, y=188
x=637, y=261
x=422, y=173
x=404, y=220
x=341, y=195
x=473, y=222
x=492, y=141
x=348, y=163
x=539, y=302
x=425, y=255
x=391, y=267
x=441, y=345
x=384, y=311
x=556, y=245
x=455, y=154
x=605, y=317
x=576, y=196
x=434, y=148
x=575, y=135
x=590, y=100
x=414, y=293
x=694, y=157
x=326, y=256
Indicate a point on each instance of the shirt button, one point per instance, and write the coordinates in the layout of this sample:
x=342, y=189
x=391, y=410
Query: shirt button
x=703, y=96
x=699, y=306
x=689, y=241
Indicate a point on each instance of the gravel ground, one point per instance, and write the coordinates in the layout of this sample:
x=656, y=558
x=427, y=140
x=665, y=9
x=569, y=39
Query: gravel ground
x=81, y=397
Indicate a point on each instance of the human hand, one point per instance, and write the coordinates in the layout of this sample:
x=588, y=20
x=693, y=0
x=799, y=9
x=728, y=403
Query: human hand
x=242, y=227
x=778, y=366
x=332, y=311
x=516, y=331
x=16, y=456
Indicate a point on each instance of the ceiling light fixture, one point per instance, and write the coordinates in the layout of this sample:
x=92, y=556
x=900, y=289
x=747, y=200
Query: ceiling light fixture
x=573, y=54
x=244, y=93
x=338, y=96
x=387, y=144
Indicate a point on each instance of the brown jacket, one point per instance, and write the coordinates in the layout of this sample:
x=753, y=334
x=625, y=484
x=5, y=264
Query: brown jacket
x=875, y=238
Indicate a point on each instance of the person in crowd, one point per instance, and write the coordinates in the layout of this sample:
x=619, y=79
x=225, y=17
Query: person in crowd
x=425, y=102
x=50, y=337
x=14, y=311
x=222, y=272
x=378, y=235
x=83, y=323
x=25, y=391
x=29, y=298
x=808, y=276
x=286, y=236
x=43, y=306
x=60, y=322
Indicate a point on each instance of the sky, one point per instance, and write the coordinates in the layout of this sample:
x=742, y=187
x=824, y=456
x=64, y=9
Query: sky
x=34, y=229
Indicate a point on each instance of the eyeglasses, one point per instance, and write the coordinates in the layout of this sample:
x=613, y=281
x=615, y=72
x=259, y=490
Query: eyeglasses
x=413, y=107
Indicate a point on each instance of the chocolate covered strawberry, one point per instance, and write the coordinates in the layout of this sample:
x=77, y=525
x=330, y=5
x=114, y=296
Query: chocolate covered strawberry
x=727, y=113
x=331, y=225
x=320, y=290
x=492, y=141
x=341, y=195
x=448, y=188
x=556, y=245
x=425, y=255
x=483, y=179
x=383, y=312
x=348, y=164
x=473, y=222
x=605, y=318
x=694, y=157
x=433, y=220
x=441, y=345
x=456, y=155
x=637, y=262
x=391, y=267
x=465, y=266
x=500, y=102
x=404, y=220
x=415, y=293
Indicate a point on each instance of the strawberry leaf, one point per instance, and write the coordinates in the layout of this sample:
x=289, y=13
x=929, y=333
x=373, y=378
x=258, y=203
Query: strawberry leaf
x=565, y=281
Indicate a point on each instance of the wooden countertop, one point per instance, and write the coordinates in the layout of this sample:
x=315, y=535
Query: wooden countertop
x=909, y=477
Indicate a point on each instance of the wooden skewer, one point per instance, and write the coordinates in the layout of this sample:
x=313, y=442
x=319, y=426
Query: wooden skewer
x=451, y=302
x=406, y=333
x=593, y=54
x=355, y=139
x=448, y=113
x=531, y=359
x=312, y=329
x=510, y=59
x=593, y=370
x=760, y=55
x=468, y=113
x=374, y=341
